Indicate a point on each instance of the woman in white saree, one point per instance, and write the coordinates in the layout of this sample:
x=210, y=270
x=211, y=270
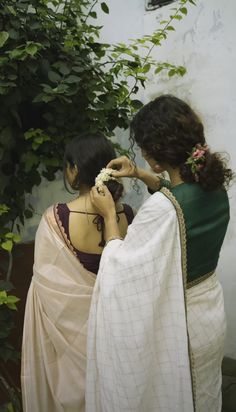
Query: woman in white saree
x=157, y=323
x=68, y=246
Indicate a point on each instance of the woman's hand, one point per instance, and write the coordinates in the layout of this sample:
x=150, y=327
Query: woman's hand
x=126, y=168
x=123, y=167
x=103, y=202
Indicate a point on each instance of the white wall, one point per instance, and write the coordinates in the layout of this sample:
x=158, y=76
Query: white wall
x=204, y=42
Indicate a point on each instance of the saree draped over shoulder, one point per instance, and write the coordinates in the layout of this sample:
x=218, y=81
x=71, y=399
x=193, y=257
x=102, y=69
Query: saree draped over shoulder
x=138, y=355
x=55, y=327
x=155, y=342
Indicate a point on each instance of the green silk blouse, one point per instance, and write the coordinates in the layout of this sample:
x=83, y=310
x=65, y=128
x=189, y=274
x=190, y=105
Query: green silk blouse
x=206, y=216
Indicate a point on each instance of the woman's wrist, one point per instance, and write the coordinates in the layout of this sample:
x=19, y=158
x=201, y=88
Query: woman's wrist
x=113, y=238
x=149, y=178
x=111, y=226
x=139, y=173
x=110, y=216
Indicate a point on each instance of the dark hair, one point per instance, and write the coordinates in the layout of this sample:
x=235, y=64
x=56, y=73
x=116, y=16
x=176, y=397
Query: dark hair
x=168, y=130
x=90, y=153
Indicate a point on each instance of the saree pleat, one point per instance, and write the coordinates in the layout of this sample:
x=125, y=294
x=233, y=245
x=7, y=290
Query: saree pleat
x=55, y=326
x=207, y=327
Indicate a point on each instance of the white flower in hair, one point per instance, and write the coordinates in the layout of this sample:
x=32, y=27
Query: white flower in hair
x=104, y=175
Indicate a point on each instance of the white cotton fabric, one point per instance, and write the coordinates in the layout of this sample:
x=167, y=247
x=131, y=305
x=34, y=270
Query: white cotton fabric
x=207, y=327
x=55, y=326
x=137, y=353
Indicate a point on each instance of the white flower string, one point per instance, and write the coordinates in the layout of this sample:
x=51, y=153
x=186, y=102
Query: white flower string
x=104, y=176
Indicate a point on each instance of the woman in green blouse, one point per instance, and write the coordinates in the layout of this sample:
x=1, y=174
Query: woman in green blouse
x=177, y=260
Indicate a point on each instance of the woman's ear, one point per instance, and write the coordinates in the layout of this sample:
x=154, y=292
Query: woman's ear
x=71, y=174
x=158, y=169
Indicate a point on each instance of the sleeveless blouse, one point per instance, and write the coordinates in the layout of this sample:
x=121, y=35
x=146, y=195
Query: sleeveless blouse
x=206, y=216
x=90, y=261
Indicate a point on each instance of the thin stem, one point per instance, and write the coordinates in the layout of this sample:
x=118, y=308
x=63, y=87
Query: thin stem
x=64, y=12
x=91, y=8
x=162, y=31
x=10, y=264
x=10, y=257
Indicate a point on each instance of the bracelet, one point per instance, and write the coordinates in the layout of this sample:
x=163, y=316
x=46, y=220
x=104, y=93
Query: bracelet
x=113, y=238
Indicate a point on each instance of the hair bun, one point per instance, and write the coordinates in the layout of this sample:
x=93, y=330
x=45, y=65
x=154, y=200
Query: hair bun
x=115, y=188
x=113, y=184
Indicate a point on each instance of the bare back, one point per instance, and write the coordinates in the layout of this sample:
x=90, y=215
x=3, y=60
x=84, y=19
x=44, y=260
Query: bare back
x=84, y=233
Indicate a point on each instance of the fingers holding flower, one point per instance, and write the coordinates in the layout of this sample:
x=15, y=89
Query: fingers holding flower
x=122, y=167
x=102, y=199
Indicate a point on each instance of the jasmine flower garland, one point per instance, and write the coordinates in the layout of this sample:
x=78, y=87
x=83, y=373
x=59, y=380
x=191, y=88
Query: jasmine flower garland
x=104, y=175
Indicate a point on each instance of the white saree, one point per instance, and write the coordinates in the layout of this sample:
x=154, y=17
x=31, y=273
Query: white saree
x=143, y=353
x=55, y=326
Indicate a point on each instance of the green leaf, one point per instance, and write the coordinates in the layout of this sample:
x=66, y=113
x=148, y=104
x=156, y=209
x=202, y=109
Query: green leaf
x=170, y=28
x=62, y=67
x=184, y=10
x=17, y=53
x=12, y=299
x=11, y=306
x=31, y=49
x=10, y=407
x=13, y=34
x=42, y=97
x=136, y=104
x=146, y=68
x=11, y=10
x=72, y=79
x=54, y=162
x=16, y=238
x=7, y=245
x=181, y=70
x=177, y=17
x=105, y=8
x=54, y=77
x=3, y=37
x=93, y=14
x=158, y=69
x=9, y=235
x=3, y=209
x=3, y=296
x=30, y=160
x=171, y=72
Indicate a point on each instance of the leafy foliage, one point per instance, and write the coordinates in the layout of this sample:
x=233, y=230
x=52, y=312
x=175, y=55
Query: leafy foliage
x=57, y=80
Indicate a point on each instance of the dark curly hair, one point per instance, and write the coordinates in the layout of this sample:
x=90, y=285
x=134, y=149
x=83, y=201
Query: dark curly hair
x=168, y=130
x=91, y=152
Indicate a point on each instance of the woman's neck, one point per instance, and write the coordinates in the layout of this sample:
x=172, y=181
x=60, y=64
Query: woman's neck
x=175, y=177
x=84, y=191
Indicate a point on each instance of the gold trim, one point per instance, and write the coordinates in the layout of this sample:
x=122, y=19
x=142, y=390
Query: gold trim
x=200, y=279
x=183, y=242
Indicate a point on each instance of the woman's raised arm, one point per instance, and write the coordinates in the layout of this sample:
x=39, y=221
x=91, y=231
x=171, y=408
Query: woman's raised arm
x=124, y=167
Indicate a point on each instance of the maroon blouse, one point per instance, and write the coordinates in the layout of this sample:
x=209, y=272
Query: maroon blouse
x=89, y=260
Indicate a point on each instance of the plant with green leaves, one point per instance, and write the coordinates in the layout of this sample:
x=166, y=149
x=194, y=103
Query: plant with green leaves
x=7, y=351
x=57, y=80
